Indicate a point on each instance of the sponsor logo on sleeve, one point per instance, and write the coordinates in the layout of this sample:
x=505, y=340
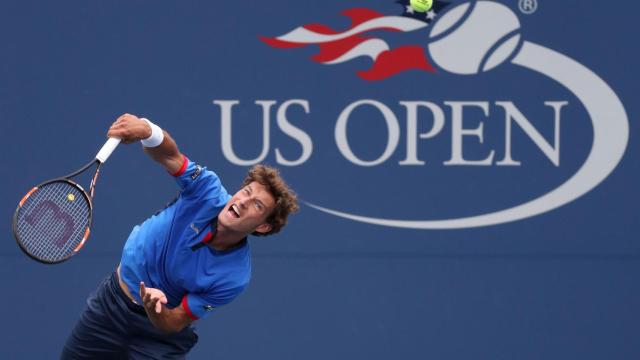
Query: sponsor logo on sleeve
x=197, y=172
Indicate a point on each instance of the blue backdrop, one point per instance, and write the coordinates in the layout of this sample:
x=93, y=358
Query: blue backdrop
x=561, y=284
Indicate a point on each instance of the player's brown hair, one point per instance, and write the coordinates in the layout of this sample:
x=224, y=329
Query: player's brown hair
x=286, y=199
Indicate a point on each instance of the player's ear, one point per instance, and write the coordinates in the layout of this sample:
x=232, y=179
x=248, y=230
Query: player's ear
x=263, y=228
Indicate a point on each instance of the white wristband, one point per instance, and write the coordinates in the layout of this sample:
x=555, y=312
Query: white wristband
x=156, y=138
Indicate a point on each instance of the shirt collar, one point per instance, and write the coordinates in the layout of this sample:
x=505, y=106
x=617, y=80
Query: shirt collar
x=213, y=226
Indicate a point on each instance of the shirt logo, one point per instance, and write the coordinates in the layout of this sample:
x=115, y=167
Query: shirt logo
x=197, y=172
x=207, y=308
x=194, y=228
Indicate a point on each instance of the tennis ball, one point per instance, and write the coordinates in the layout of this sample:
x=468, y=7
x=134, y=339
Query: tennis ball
x=475, y=43
x=71, y=197
x=421, y=5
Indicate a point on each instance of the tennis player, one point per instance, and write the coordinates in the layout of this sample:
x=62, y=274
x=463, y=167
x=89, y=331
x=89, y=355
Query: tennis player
x=182, y=263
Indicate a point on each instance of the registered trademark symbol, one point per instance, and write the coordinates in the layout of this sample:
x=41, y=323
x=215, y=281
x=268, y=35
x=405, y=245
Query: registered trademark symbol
x=528, y=6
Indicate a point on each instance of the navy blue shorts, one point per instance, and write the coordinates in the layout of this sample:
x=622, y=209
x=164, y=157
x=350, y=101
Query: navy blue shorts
x=113, y=327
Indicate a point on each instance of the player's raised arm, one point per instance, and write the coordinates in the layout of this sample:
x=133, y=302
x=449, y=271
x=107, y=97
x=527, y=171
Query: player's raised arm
x=157, y=143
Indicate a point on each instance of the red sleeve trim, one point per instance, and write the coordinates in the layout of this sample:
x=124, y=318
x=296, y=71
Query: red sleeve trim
x=183, y=168
x=185, y=306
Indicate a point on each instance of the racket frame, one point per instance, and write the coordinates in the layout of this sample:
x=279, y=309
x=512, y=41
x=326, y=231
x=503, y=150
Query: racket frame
x=101, y=157
x=87, y=197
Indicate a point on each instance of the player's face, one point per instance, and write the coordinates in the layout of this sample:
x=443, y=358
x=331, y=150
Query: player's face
x=248, y=209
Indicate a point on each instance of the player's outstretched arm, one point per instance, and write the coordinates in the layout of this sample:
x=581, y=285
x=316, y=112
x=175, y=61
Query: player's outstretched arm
x=131, y=129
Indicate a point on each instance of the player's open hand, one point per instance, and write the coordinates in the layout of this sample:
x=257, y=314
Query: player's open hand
x=152, y=299
x=129, y=128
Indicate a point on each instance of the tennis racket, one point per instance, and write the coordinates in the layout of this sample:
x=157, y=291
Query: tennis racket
x=53, y=220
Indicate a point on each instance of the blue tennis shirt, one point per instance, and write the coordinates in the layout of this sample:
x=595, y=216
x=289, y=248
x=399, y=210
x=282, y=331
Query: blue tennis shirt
x=166, y=251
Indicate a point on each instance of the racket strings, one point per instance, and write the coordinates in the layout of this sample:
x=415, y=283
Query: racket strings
x=52, y=222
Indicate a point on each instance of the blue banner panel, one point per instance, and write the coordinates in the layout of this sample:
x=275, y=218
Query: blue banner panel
x=467, y=174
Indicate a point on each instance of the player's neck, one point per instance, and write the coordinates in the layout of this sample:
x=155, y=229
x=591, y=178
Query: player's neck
x=225, y=239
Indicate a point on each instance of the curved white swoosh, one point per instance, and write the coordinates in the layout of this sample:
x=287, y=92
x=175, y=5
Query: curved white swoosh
x=611, y=134
x=371, y=48
x=302, y=35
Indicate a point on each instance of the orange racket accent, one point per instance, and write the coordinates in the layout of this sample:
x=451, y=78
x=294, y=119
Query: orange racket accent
x=27, y=196
x=86, y=235
x=93, y=181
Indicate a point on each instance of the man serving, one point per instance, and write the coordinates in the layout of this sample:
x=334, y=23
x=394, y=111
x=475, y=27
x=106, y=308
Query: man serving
x=182, y=263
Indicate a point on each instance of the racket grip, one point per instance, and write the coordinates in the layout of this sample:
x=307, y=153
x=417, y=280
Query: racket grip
x=107, y=149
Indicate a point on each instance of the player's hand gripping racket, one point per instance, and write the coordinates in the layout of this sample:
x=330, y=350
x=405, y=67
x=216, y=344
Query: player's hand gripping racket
x=53, y=219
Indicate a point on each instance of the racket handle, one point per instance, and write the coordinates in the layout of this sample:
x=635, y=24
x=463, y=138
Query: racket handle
x=107, y=149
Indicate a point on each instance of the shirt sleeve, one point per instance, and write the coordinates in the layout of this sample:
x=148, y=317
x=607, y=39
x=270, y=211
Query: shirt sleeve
x=195, y=181
x=199, y=306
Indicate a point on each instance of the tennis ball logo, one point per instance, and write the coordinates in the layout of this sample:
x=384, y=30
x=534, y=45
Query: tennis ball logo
x=478, y=42
x=421, y=5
